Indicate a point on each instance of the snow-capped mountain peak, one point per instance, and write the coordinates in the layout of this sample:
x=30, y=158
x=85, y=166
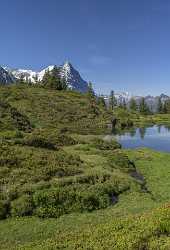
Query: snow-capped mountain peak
x=73, y=78
x=67, y=72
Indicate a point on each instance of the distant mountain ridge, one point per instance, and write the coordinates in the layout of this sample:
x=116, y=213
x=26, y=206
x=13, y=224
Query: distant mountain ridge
x=67, y=72
x=151, y=101
x=74, y=81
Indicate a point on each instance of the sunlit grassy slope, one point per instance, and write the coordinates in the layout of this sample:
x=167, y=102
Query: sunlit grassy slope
x=49, y=109
x=138, y=221
x=62, y=187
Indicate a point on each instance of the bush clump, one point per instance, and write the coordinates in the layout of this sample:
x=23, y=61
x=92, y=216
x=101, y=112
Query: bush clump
x=121, y=161
x=22, y=206
x=7, y=156
x=106, y=145
x=21, y=121
x=3, y=209
x=49, y=141
x=57, y=201
x=65, y=140
x=39, y=142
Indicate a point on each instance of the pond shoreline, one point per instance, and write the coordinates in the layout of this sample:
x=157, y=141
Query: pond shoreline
x=156, y=137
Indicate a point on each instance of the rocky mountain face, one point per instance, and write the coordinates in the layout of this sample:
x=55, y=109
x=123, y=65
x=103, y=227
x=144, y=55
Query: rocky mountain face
x=6, y=77
x=67, y=72
x=73, y=78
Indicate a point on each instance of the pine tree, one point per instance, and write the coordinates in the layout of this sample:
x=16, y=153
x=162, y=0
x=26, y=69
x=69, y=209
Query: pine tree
x=133, y=105
x=46, y=78
x=90, y=91
x=36, y=79
x=120, y=105
x=143, y=107
x=112, y=100
x=101, y=101
x=93, y=107
x=53, y=80
x=160, y=106
x=124, y=106
x=166, y=107
x=164, y=110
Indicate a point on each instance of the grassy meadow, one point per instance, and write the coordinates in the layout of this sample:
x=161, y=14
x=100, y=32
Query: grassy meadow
x=62, y=186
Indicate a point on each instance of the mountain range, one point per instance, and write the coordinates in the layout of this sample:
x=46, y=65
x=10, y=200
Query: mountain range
x=74, y=81
x=67, y=72
x=151, y=101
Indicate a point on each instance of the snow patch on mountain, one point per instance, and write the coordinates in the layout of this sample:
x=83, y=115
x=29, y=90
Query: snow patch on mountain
x=73, y=78
x=5, y=77
x=41, y=74
x=67, y=72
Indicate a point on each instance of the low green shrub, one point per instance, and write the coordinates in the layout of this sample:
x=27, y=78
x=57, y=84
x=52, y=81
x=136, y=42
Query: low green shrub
x=50, y=203
x=64, y=140
x=49, y=141
x=119, y=160
x=57, y=201
x=124, y=118
x=8, y=158
x=39, y=141
x=106, y=145
x=92, y=200
x=3, y=209
x=21, y=121
x=22, y=206
x=93, y=177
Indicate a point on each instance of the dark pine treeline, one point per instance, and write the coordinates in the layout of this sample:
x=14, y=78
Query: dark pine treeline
x=140, y=107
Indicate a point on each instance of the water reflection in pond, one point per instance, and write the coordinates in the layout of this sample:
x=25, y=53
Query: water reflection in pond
x=155, y=137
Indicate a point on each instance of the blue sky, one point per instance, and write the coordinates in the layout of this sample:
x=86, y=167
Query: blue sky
x=122, y=45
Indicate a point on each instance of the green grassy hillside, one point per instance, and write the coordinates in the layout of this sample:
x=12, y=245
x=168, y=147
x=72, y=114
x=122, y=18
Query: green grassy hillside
x=49, y=109
x=139, y=220
x=62, y=186
x=47, y=169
